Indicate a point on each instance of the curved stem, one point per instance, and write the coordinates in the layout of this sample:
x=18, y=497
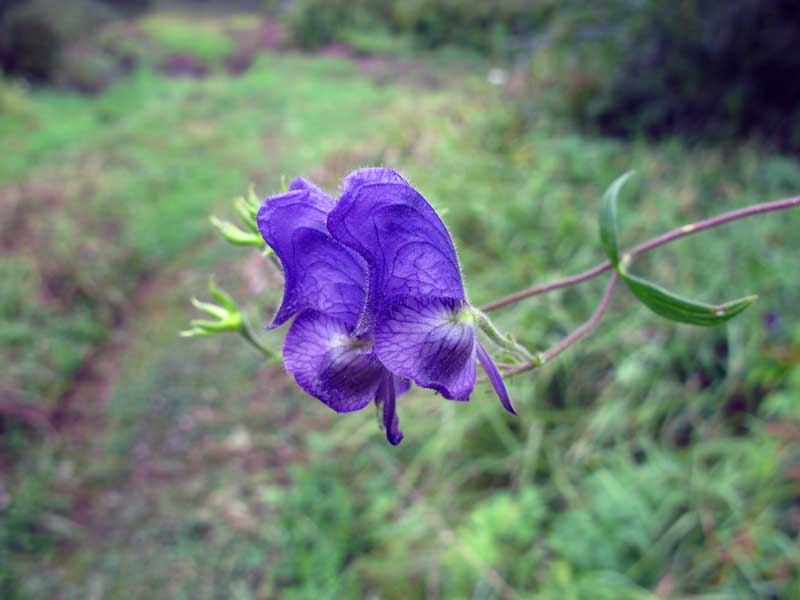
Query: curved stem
x=548, y=287
x=249, y=335
x=506, y=342
x=734, y=215
x=573, y=337
x=660, y=240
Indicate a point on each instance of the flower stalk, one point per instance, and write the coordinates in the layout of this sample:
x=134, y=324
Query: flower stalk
x=250, y=336
x=664, y=238
x=227, y=317
x=507, y=342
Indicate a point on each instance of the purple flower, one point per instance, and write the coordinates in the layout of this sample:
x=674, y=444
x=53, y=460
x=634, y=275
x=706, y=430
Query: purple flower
x=375, y=284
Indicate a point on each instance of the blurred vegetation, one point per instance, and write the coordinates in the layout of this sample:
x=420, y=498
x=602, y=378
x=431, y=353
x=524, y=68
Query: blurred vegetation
x=48, y=41
x=698, y=68
x=487, y=27
x=654, y=460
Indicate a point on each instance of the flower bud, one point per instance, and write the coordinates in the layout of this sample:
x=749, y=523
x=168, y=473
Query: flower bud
x=227, y=315
x=236, y=236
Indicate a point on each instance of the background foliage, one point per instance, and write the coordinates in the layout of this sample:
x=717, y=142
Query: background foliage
x=699, y=68
x=652, y=461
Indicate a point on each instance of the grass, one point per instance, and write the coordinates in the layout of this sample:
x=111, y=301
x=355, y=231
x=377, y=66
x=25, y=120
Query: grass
x=653, y=460
x=204, y=40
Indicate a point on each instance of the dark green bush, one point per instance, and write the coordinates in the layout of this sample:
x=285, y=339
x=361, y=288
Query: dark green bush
x=315, y=23
x=34, y=34
x=697, y=68
x=29, y=45
x=7, y=5
x=55, y=42
x=129, y=6
x=707, y=69
x=484, y=26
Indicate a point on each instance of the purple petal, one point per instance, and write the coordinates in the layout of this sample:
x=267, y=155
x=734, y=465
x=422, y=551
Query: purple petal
x=407, y=247
x=426, y=340
x=315, y=195
x=301, y=183
x=401, y=386
x=494, y=376
x=387, y=397
x=320, y=274
x=330, y=364
x=280, y=216
x=367, y=175
x=327, y=277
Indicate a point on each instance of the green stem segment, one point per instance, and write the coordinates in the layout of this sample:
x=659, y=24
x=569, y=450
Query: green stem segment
x=505, y=341
x=248, y=334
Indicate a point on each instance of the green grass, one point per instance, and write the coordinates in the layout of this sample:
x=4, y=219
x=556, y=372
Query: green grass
x=204, y=39
x=646, y=462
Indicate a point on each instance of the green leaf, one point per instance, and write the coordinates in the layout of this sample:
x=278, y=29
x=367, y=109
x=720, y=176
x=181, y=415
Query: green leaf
x=211, y=309
x=252, y=200
x=677, y=308
x=660, y=301
x=608, y=218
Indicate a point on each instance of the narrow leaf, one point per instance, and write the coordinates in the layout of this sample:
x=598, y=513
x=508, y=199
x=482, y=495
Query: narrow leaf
x=210, y=309
x=221, y=296
x=683, y=310
x=244, y=210
x=252, y=201
x=235, y=235
x=608, y=218
x=211, y=326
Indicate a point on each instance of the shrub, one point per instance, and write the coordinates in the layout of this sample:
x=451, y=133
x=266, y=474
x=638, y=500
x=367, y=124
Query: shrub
x=483, y=26
x=129, y=6
x=34, y=34
x=29, y=45
x=710, y=69
x=315, y=23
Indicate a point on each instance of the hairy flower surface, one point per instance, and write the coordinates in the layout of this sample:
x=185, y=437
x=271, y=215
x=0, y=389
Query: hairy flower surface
x=375, y=284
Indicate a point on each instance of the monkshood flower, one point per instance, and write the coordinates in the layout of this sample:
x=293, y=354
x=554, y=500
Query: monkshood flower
x=374, y=282
x=324, y=288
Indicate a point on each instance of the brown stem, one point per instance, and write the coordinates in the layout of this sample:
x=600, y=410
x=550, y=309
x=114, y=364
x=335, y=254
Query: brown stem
x=662, y=239
x=573, y=337
x=548, y=287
